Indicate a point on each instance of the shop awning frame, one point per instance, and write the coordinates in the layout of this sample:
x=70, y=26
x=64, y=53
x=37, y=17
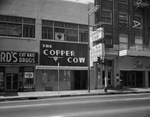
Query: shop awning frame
x=134, y=53
x=42, y=67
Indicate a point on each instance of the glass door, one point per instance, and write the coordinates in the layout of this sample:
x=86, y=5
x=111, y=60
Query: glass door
x=132, y=79
x=110, y=73
x=11, y=81
x=128, y=78
x=8, y=81
x=14, y=81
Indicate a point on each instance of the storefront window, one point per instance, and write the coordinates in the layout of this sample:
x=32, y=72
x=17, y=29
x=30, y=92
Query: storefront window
x=28, y=78
x=65, y=75
x=2, y=72
x=52, y=75
x=28, y=81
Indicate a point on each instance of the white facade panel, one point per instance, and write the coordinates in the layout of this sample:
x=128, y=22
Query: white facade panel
x=58, y=10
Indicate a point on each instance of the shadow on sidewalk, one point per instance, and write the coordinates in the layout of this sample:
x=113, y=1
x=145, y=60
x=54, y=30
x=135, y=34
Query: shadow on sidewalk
x=124, y=89
x=6, y=94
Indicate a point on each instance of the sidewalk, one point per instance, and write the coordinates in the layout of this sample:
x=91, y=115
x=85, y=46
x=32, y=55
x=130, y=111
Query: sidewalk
x=9, y=96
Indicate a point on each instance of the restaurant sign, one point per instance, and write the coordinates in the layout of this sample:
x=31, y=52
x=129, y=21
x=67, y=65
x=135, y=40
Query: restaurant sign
x=67, y=54
x=18, y=57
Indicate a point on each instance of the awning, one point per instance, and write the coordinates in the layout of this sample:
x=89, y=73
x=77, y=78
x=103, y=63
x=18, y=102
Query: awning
x=134, y=53
x=61, y=67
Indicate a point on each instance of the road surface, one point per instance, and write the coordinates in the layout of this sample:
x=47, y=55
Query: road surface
x=128, y=105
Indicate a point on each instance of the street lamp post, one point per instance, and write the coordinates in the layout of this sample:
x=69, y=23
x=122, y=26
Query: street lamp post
x=90, y=11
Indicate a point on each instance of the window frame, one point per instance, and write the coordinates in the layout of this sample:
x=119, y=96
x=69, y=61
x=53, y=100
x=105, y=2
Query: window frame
x=22, y=21
x=141, y=26
x=123, y=2
x=66, y=26
x=106, y=10
x=111, y=35
x=127, y=17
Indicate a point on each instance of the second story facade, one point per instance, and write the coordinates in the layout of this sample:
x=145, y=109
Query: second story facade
x=126, y=24
x=24, y=23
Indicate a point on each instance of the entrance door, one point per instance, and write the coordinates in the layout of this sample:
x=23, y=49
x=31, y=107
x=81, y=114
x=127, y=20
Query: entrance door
x=128, y=78
x=132, y=79
x=109, y=74
x=11, y=82
x=80, y=81
x=149, y=78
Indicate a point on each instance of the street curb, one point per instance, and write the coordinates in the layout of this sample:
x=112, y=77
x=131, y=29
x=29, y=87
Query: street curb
x=67, y=95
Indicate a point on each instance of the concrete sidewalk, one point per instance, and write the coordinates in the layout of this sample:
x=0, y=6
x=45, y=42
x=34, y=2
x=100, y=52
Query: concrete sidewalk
x=9, y=96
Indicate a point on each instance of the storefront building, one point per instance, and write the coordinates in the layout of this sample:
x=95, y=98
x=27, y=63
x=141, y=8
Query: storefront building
x=134, y=71
x=17, y=70
x=127, y=42
x=37, y=35
x=63, y=65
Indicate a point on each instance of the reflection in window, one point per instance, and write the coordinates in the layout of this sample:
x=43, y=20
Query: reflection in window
x=52, y=75
x=47, y=33
x=7, y=29
x=72, y=35
x=61, y=31
x=28, y=31
x=17, y=27
x=83, y=36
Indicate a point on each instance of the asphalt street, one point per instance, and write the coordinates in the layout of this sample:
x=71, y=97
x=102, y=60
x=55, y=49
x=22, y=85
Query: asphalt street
x=128, y=105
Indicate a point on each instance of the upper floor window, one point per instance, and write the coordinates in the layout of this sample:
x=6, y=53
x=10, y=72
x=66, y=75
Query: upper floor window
x=149, y=24
x=108, y=40
x=123, y=1
x=137, y=22
x=17, y=26
x=83, y=33
x=61, y=31
x=107, y=16
x=123, y=41
x=123, y=19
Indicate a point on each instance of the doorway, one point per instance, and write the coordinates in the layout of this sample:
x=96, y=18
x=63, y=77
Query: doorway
x=80, y=81
x=132, y=78
x=11, y=82
x=109, y=75
x=149, y=78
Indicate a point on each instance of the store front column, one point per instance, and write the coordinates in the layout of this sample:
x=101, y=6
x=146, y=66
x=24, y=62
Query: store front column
x=147, y=79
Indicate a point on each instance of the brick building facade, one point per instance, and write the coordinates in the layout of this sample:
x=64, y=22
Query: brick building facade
x=127, y=36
